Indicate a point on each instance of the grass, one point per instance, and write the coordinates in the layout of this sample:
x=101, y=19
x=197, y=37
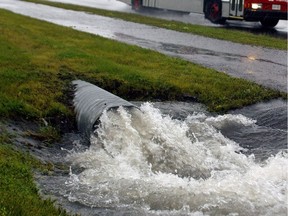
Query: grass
x=237, y=36
x=39, y=60
x=18, y=193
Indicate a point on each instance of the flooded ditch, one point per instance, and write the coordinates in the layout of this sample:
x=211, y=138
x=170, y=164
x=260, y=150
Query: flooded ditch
x=174, y=158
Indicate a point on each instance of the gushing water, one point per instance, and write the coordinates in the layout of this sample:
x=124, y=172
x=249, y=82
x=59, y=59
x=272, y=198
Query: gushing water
x=152, y=164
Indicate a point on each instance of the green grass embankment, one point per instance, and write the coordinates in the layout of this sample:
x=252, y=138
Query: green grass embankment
x=232, y=35
x=38, y=60
x=18, y=192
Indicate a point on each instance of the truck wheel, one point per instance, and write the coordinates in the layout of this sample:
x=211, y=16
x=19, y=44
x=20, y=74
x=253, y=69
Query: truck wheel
x=136, y=5
x=213, y=11
x=269, y=23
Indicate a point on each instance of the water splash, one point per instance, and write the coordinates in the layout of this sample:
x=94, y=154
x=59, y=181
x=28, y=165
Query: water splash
x=151, y=163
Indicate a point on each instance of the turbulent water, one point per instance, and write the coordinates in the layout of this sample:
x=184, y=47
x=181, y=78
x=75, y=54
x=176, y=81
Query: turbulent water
x=144, y=162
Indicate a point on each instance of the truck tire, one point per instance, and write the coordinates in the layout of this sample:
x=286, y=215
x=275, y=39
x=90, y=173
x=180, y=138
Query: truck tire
x=269, y=22
x=136, y=5
x=213, y=11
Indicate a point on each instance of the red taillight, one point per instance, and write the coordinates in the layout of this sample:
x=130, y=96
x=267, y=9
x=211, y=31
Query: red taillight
x=247, y=5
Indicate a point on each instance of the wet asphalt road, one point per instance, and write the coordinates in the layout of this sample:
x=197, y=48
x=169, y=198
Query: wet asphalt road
x=264, y=66
x=255, y=27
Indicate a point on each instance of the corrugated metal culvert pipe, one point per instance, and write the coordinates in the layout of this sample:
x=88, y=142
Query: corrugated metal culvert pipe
x=90, y=101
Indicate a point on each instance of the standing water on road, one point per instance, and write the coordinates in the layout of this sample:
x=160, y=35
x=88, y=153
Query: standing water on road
x=144, y=162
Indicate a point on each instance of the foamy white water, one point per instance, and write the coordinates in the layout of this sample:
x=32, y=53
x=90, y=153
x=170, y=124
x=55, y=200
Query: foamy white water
x=144, y=160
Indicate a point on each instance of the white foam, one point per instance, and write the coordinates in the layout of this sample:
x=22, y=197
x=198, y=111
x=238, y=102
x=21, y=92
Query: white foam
x=145, y=160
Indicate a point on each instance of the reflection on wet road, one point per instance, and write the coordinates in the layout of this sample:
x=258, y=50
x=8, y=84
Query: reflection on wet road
x=264, y=66
x=254, y=27
x=103, y=4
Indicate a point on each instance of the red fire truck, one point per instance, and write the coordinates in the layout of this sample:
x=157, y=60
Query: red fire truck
x=268, y=12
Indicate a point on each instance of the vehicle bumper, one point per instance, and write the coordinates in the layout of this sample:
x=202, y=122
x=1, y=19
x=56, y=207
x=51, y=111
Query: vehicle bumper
x=252, y=15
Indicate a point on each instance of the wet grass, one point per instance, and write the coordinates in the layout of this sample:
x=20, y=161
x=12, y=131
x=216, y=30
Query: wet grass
x=18, y=193
x=237, y=36
x=39, y=60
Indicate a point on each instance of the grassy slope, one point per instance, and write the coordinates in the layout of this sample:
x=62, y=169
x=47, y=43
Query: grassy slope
x=18, y=193
x=213, y=32
x=39, y=59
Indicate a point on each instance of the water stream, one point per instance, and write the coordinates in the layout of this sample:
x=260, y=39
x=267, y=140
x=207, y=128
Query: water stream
x=178, y=159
